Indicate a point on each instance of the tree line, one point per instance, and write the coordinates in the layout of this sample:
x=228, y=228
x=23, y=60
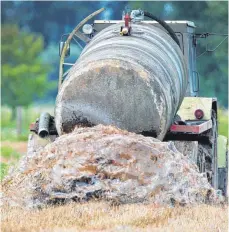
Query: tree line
x=31, y=32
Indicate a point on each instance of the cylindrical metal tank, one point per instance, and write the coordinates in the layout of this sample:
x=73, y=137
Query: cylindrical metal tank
x=134, y=82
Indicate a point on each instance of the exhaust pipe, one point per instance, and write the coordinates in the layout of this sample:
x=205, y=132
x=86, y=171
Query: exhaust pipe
x=43, y=129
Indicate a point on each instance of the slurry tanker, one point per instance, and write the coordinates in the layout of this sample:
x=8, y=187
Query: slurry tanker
x=139, y=74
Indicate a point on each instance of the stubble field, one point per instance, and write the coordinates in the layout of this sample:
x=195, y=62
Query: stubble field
x=100, y=216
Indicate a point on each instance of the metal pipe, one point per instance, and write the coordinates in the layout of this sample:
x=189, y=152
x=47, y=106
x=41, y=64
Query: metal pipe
x=71, y=35
x=165, y=25
x=43, y=129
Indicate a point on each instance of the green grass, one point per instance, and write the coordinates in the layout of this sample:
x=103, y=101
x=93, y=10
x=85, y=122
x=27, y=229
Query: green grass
x=3, y=170
x=9, y=153
x=9, y=157
x=223, y=122
x=221, y=149
x=10, y=134
x=29, y=115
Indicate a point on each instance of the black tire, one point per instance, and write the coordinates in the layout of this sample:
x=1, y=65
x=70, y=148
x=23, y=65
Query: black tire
x=207, y=154
x=214, y=141
x=223, y=176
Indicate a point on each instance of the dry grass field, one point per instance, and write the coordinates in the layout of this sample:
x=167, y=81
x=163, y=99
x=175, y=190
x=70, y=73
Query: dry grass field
x=100, y=216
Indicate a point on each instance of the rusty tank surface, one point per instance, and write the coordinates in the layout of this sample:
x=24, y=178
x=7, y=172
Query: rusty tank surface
x=134, y=82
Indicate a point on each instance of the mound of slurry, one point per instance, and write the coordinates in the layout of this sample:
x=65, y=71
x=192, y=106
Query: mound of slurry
x=108, y=163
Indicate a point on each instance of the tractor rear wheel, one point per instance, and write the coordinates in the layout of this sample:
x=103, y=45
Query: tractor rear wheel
x=207, y=154
x=223, y=165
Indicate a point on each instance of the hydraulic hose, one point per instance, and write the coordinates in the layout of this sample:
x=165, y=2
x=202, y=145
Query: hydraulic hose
x=163, y=24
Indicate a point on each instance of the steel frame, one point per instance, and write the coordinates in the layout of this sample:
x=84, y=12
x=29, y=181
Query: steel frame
x=194, y=129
